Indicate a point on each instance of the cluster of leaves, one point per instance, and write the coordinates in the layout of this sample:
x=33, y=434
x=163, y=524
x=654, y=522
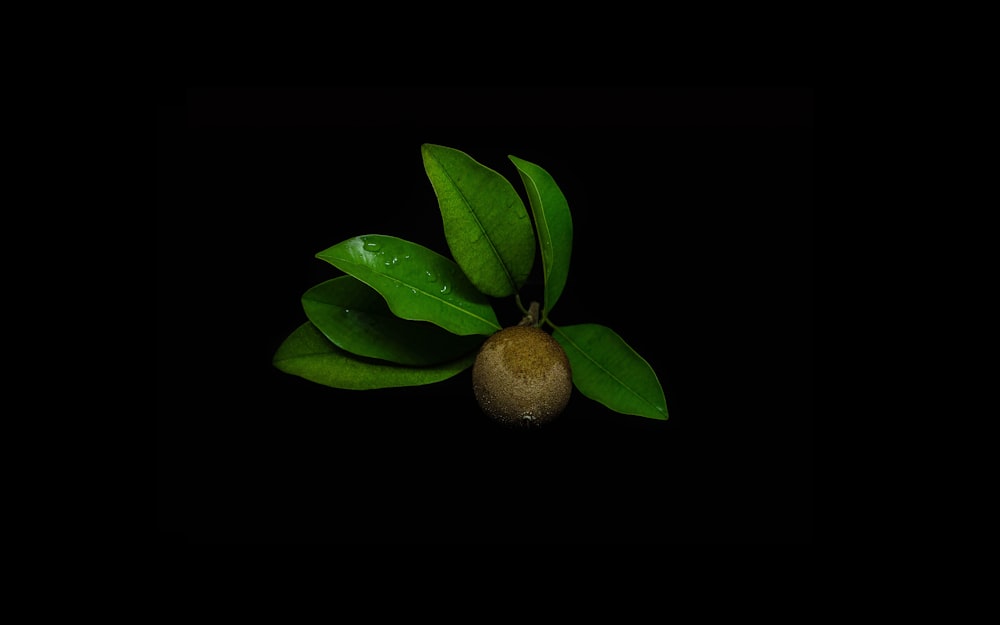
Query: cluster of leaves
x=404, y=315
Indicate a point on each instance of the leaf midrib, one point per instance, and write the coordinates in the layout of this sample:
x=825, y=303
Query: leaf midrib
x=418, y=289
x=541, y=217
x=609, y=373
x=479, y=224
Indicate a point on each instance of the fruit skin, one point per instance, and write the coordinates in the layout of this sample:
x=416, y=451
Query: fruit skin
x=522, y=377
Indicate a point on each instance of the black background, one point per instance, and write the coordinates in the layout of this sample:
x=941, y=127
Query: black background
x=693, y=239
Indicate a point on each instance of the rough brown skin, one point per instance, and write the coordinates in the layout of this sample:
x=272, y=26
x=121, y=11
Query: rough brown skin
x=522, y=377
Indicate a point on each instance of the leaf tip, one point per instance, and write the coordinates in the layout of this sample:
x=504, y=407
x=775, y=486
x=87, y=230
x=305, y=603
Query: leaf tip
x=428, y=148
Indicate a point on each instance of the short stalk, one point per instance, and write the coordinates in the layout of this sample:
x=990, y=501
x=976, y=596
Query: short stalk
x=530, y=316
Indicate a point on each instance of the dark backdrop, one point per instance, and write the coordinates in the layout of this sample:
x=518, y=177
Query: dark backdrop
x=693, y=222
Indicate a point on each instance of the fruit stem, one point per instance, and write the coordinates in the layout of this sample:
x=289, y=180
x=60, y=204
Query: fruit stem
x=531, y=317
x=520, y=306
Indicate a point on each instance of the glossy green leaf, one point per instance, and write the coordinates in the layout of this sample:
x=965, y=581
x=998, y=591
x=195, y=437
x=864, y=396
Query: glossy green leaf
x=485, y=222
x=310, y=355
x=417, y=283
x=356, y=318
x=607, y=370
x=553, y=224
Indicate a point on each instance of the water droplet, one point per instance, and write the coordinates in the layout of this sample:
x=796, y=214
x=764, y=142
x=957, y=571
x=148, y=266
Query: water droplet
x=445, y=288
x=372, y=246
x=429, y=275
x=414, y=291
x=407, y=257
x=347, y=310
x=395, y=260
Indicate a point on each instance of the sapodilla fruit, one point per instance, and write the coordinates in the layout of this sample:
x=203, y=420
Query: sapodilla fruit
x=522, y=376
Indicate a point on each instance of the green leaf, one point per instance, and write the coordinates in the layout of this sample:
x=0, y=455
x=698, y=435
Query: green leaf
x=417, y=283
x=554, y=225
x=356, y=318
x=607, y=370
x=310, y=355
x=485, y=222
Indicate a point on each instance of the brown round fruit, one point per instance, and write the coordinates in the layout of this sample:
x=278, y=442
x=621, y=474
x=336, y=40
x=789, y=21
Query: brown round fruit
x=522, y=377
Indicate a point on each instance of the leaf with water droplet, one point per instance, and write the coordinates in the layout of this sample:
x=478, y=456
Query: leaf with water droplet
x=307, y=353
x=357, y=319
x=554, y=225
x=608, y=371
x=461, y=310
x=483, y=219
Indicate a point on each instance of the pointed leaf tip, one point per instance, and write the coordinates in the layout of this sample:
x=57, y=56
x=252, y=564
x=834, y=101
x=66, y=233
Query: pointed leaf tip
x=554, y=226
x=607, y=370
x=485, y=221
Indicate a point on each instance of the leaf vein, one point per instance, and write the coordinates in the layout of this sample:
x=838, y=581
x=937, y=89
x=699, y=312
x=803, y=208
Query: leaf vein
x=608, y=372
x=419, y=289
x=482, y=228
